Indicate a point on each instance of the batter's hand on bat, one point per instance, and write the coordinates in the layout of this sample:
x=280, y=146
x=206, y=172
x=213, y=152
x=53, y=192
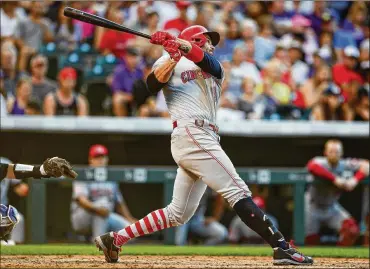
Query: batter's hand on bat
x=57, y=167
x=173, y=49
x=159, y=37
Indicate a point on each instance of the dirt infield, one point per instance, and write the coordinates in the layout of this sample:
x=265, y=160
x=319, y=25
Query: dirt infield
x=79, y=261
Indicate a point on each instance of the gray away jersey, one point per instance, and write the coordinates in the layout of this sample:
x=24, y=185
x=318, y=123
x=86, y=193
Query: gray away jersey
x=326, y=193
x=191, y=93
x=101, y=194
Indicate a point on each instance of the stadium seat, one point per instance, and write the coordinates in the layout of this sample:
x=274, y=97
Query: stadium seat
x=98, y=95
x=109, y=62
x=52, y=72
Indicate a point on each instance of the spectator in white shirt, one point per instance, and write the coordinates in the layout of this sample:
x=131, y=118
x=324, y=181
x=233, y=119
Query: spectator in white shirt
x=10, y=16
x=299, y=69
x=241, y=69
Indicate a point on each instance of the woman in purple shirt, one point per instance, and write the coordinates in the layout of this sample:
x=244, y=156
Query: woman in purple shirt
x=355, y=21
x=17, y=105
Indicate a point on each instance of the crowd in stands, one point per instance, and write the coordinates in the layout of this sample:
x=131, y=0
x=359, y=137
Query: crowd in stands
x=303, y=60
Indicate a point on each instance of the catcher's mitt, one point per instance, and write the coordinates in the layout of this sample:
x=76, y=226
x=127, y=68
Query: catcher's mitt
x=57, y=167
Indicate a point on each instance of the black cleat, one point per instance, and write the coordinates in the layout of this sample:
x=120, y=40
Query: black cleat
x=290, y=257
x=105, y=243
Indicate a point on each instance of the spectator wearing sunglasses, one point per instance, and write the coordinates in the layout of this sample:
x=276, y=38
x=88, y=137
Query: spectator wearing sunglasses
x=41, y=85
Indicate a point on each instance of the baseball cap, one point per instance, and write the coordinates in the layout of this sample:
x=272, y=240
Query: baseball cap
x=351, y=51
x=68, y=72
x=183, y=4
x=98, y=150
x=259, y=201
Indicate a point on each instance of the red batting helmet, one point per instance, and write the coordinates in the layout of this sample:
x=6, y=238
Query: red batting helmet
x=196, y=34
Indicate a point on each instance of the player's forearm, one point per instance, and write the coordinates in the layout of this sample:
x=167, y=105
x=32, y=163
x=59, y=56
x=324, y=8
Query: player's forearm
x=363, y=172
x=160, y=76
x=163, y=72
x=123, y=210
x=24, y=171
x=86, y=204
x=10, y=173
x=320, y=171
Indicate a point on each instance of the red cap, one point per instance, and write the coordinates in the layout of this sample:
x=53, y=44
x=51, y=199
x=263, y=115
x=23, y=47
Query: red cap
x=183, y=4
x=259, y=202
x=68, y=72
x=98, y=150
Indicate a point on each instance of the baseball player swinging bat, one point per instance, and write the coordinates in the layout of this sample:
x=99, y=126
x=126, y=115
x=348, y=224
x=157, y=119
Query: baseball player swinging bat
x=191, y=79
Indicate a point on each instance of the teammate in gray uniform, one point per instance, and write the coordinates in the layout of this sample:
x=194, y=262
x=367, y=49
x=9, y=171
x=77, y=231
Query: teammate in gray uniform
x=240, y=233
x=207, y=227
x=333, y=174
x=94, y=203
x=21, y=189
x=191, y=79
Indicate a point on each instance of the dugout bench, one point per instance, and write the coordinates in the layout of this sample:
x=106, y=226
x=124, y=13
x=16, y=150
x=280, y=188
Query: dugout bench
x=36, y=203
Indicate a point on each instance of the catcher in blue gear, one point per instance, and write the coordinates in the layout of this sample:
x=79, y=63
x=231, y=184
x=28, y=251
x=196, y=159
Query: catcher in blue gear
x=9, y=217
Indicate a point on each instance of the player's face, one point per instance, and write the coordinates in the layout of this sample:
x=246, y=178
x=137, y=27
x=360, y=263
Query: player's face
x=208, y=47
x=333, y=152
x=99, y=161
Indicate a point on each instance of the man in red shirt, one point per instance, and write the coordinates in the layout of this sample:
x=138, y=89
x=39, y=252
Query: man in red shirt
x=344, y=73
x=116, y=42
x=175, y=26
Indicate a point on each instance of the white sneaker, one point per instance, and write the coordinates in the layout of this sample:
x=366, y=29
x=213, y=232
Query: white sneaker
x=9, y=243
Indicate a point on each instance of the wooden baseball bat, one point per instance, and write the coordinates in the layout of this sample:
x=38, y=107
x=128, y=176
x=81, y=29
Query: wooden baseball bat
x=103, y=22
x=99, y=21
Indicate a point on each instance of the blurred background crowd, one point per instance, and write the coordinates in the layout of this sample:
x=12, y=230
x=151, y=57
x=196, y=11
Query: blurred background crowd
x=303, y=60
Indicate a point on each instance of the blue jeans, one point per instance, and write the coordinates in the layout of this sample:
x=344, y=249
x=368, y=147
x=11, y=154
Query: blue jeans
x=214, y=233
x=84, y=222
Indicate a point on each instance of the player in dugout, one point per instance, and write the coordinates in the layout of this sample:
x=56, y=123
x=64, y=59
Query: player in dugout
x=52, y=167
x=333, y=174
x=98, y=207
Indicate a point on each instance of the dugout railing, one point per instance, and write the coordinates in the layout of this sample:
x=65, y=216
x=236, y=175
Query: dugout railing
x=36, y=204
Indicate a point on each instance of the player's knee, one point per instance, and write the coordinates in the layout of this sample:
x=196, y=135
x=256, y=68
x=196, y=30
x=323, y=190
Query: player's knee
x=348, y=232
x=236, y=196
